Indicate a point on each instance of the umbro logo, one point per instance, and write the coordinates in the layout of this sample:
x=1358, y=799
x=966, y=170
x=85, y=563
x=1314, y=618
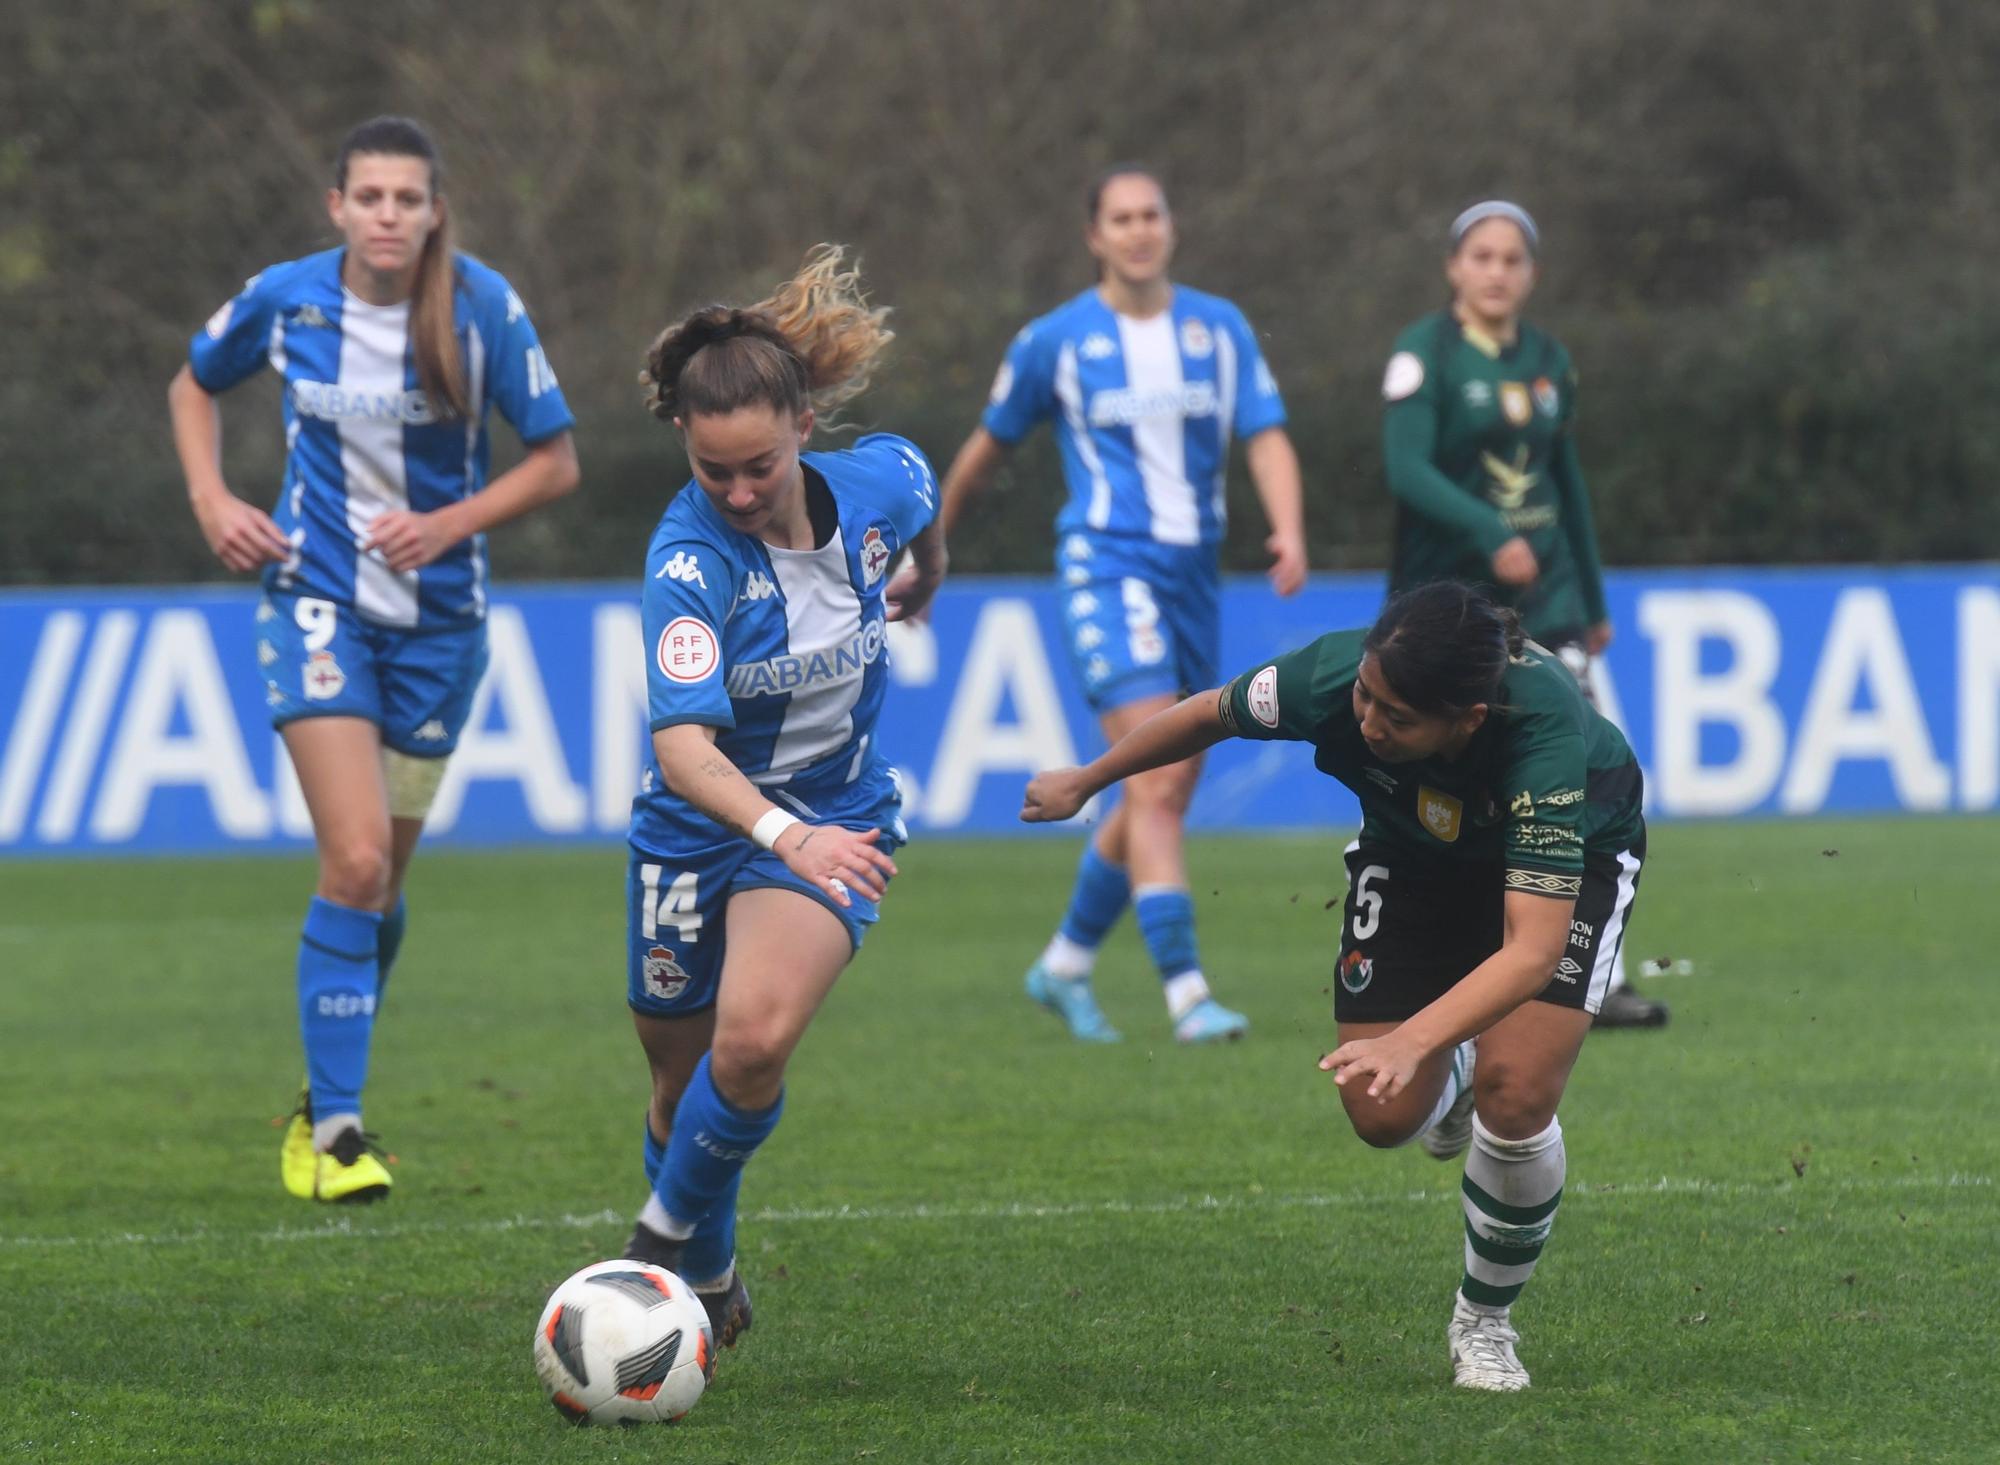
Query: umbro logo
x=431, y=732
x=683, y=567
x=758, y=586
x=1096, y=346
x=1385, y=781
x=309, y=315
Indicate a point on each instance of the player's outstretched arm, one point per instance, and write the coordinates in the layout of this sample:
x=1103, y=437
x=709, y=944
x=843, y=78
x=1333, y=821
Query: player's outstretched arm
x=1537, y=929
x=1180, y=732
x=911, y=588
x=826, y=856
x=1274, y=469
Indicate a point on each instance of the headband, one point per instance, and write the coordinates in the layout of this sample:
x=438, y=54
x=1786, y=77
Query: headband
x=1496, y=208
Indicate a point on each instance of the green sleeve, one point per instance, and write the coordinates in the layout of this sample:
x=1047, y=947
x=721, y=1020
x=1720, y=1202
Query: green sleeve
x=1576, y=517
x=1543, y=783
x=1409, y=441
x=1275, y=699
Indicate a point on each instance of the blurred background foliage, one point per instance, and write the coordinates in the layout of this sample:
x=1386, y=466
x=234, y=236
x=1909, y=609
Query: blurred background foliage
x=1769, y=233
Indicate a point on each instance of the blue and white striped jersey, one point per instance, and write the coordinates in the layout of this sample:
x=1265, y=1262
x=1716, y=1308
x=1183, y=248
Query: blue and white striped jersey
x=782, y=650
x=1144, y=410
x=360, y=436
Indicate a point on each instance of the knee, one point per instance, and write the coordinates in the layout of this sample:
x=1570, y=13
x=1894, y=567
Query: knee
x=1383, y=1129
x=747, y=1067
x=1513, y=1103
x=1166, y=791
x=356, y=873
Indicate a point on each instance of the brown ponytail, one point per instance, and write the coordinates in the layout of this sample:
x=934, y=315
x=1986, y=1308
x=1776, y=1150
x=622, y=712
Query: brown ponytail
x=433, y=317
x=813, y=342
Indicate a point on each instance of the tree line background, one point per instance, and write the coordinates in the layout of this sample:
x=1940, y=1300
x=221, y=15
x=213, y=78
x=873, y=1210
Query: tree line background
x=1769, y=233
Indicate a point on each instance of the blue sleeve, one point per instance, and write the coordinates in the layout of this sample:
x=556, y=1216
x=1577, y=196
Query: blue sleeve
x=1258, y=403
x=236, y=342
x=685, y=605
x=1024, y=391
x=900, y=482
x=519, y=380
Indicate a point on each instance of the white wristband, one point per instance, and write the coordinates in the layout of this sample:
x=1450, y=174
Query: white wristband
x=774, y=822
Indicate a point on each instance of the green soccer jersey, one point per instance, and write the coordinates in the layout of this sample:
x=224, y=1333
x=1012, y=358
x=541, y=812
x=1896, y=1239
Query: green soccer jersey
x=1477, y=444
x=1544, y=783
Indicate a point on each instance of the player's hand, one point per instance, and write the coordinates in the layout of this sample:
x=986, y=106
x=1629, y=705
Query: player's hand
x=241, y=535
x=1054, y=796
x=910, y=590
x=1288, y=563
x=1514, y=563
x=1597, y=638
x=1388, y=1063
x=406, y=540
x=836, y=860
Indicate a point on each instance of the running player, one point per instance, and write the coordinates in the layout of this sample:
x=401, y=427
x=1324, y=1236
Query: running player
x=1487, y=899
x=371, y=636
x=763, y=835
x=1482, y=461
x=1147, y=382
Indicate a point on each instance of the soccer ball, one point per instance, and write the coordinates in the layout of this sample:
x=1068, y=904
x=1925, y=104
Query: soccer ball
x=623, y=1342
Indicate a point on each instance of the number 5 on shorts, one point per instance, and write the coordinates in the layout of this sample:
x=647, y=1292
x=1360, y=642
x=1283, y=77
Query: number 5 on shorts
x=1368, y=903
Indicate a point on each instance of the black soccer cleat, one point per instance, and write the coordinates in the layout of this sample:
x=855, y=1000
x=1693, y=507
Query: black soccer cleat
x=649, y=1246
x=728, y=1310
x=1625, y=1008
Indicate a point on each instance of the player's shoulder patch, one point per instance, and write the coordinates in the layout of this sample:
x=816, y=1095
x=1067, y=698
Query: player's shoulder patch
x=688, y=650
x=1261, y=696
x=1403, y=377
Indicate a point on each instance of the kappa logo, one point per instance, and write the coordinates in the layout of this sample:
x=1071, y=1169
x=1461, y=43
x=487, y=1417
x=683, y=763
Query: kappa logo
x=874, y=556
x=1568, y=970
x=266, y=653
x=1096, y=346
x=1097, y=669
x=683, y=567
x=1262, y=696
x=1196, y=341
x=324, y=680
x=1356, y=971
x=266, y=612
x=308, y=316
x=1076, y=547
x=431, y=732
x=664, y=976
x=1089, y=636
x=1076, y=574
x=757, y=586
x=1082, y=604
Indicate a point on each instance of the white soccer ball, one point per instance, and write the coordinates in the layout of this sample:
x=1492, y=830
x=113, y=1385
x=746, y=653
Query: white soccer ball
x=622, y=1342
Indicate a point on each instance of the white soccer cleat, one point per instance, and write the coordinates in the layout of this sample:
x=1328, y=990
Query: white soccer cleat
x=1482, y=1350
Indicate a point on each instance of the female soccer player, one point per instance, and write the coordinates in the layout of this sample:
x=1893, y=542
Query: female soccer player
x=1487, y=899
x=763, y=837
x=372, y=634
x=1480, y=455
x=1147, y=381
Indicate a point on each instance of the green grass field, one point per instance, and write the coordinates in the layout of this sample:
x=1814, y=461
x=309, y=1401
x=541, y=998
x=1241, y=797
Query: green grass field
x=972, y=1239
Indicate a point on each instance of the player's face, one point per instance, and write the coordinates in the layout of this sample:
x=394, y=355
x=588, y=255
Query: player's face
x=1492, y=272
x=1395, y=731
x=386, y=212
x=1133, y=234
x=747, y=461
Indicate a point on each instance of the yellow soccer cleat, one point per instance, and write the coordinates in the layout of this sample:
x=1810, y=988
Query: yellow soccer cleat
x=351, y=1172
x=298, y=1163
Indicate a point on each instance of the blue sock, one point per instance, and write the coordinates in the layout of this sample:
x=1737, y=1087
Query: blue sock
x=338, y=986
x=656, y=1153
x=1166, y=919
x=713, y=1246
x=1097, y=900
x=711, y=1143
x=387, y=943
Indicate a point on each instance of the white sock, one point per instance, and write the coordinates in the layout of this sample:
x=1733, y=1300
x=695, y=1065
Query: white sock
x=1456, y=1083
x=1185, y=993
x=718, y=1284
x=653, y=1216
x=1511, y=1191
x=327, y=1130
x=1065, y=959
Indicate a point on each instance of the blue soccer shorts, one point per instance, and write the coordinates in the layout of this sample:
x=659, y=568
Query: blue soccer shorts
x=1143, y=619
x=674, y=903
x=319, y=659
